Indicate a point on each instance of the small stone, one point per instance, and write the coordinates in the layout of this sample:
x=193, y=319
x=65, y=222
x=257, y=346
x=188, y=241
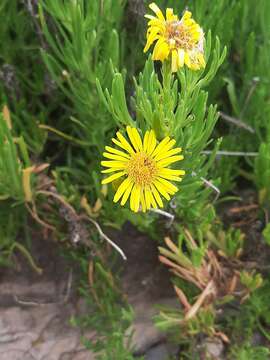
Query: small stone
x=159, y=352
x=214, y=347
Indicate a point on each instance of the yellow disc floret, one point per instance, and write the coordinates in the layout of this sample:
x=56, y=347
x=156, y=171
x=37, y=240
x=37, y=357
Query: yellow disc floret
x=141, y=169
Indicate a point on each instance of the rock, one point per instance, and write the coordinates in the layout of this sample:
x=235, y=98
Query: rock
x=214, y=348
x=146, y=335
x=158, y=352
x=162, y=351
x=40, y=332
x=34, y=317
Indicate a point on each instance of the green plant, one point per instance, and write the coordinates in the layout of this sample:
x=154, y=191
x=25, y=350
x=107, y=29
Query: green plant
x=262, y=173
x=229, y=242
x=252, y=281
x=16, y=184
x=250, y=352
x=252, y=318
x=109, y=314
x=173, y=107
x=266, y=233
x=72, y=74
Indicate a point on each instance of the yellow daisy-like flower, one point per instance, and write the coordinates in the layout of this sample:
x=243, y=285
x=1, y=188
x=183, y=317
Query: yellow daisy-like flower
x=143, y=165
x=182, y=40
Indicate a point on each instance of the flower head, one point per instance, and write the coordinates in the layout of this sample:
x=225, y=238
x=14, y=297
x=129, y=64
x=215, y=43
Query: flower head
x=143, y=167
x=182, y=40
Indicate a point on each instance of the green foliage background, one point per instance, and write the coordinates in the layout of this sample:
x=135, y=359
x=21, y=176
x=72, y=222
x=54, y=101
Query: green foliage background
x=73, y=72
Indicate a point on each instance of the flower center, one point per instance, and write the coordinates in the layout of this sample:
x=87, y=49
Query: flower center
x=141, y=169
x=178, y=35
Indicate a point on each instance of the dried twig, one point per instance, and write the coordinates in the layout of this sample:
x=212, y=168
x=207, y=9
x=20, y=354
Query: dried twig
x=35, y=216
x=236, y=122
x=104, y=236
x=180, y=271
x=69, y=286
x=230, y=153
x=245, y=208
x=83, y=217
x=182, y=297
x=29, y=303
x=209, y=184
x=63, y=298
x=209, y=290
x=255, y=82
x=166, y=214
x=91, y=283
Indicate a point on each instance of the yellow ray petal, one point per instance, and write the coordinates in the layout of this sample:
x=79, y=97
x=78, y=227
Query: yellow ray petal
x=170, y=15
x=187, y=59
x=118, y=143
x=181, y=57
x=152, y=141
x=137, y=138
x=161, y=50
x=165, y=154
x=170, y=188
x=145, y=141
x=164, y=148
x=189, y=23
x=112, y=177
x=114, y=163
x=132, y=138
x=157, y=23
x=121, y=189
x=171, y=172
x=147, y=198
x=162, y=190
x=115, y=157
x=201, y=60
x=171, y=177
x=157, y=11
x=156, y=196
x=152, y=200
x=117, y=152
x=151, y=17
x=126, y=194
x=107, y=171
x=135, y=198
x=174, y=61
x=125, y=143
x=194, y=66
x=143, y=201
x=186, y=16
x=161, y=145
x=151, y=37
x=170, y=160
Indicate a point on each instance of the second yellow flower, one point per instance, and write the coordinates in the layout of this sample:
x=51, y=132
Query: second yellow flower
x=182, y=40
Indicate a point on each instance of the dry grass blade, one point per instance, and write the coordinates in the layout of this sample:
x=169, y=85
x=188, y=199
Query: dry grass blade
x=209, y=290
x=182, y=297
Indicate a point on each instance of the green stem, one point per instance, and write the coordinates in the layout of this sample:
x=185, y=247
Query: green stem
x=64, y=136
x=166, y=103
x=167, y=75
x=263, y=331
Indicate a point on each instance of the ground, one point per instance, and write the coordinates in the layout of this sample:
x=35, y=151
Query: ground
x=35, y=310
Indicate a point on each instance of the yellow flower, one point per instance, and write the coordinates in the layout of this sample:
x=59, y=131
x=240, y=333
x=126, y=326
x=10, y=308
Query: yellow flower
x=143, y=165
x=182, y=40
